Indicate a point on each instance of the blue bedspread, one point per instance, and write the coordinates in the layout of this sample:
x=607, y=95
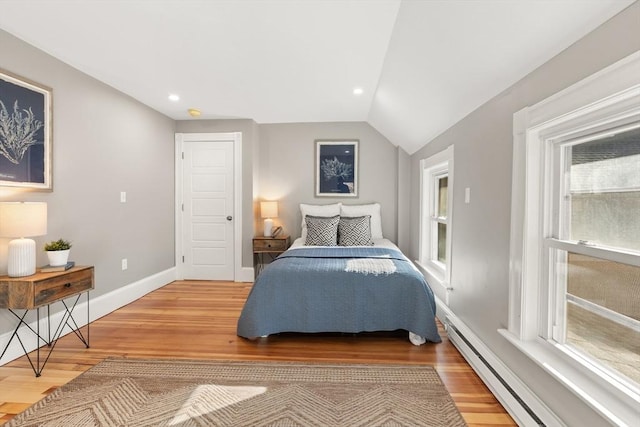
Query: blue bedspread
x=309, y=290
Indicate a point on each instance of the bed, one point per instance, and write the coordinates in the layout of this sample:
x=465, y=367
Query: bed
x=337, y=286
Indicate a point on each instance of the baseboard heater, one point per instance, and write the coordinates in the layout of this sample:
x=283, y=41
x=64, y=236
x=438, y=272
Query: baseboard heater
x=501, y=387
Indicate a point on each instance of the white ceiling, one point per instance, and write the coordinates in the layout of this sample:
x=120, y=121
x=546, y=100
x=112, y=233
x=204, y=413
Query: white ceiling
x=423, y=65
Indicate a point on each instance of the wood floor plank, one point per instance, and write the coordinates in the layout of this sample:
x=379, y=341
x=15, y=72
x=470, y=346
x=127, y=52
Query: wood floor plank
x=197, y=320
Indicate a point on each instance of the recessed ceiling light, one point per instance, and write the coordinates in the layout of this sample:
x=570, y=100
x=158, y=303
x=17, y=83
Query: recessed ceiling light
x=173, y=97
x=358, y=91
x=194, y=112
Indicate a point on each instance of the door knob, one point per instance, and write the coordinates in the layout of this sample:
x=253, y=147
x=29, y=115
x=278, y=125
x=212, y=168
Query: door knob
x=229, y=218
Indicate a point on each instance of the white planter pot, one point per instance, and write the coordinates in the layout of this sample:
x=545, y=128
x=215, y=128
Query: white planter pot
x=58, y=257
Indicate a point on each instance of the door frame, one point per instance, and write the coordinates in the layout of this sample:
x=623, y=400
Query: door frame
x=180, y=139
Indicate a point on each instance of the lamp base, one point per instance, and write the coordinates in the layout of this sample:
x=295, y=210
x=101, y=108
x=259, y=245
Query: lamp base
x=268, y=227
x=21, y=260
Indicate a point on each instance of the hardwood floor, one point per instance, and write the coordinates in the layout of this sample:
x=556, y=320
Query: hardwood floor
x=197, y=320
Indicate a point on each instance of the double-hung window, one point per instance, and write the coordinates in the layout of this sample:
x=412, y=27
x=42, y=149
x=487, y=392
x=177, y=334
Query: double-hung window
x=592, y=247
x=574, y=298
x=435, y=216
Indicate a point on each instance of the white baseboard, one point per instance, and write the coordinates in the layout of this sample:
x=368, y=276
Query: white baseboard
x=246, y=275
x=99, y=306
x=519, y=401
x=105, y=304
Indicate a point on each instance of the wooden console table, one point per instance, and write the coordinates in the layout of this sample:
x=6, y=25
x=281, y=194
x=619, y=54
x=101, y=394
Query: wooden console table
x=43, y=289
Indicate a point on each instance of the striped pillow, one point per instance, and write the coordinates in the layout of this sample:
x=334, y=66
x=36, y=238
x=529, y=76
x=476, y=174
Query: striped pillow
x=321, y=230
x=354, y=231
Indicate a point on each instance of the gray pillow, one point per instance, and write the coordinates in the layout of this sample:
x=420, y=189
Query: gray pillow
x=321, y=230
x=354, y=231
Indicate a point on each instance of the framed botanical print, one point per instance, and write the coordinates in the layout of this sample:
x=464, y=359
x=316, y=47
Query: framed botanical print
x=25, y=133
x=336, y=168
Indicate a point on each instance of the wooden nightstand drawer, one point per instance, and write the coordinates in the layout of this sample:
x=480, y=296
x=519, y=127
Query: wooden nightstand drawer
x=44, y=288
x=270, y=244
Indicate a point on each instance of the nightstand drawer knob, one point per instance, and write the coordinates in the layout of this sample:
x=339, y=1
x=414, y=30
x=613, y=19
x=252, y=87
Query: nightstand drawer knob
x=67, y=285
x=229, y=218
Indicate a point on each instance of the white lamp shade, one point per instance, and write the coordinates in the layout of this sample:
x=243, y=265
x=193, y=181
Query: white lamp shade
x=23, y=219
x=268, y=209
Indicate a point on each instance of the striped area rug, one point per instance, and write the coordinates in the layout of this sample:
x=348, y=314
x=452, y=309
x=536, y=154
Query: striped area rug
x=135, y=392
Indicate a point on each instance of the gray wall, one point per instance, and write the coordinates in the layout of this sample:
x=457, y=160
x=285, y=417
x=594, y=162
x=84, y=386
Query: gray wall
x=249, y=152
x=483, y=162
x=104, y=142
x=278, y=165
x=403, y=191
x=286, y=170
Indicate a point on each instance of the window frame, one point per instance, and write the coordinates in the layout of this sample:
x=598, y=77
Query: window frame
x=557, y=244
x=432, y=169
x=609, y=98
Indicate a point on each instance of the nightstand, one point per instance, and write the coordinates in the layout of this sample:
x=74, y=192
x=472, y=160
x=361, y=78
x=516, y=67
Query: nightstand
x=270, y=246
x=40, y=290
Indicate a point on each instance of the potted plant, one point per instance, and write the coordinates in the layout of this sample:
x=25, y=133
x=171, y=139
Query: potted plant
x=58, y=252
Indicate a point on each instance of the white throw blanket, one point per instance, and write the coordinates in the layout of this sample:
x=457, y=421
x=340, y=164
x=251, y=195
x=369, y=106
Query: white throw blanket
x=375, y=266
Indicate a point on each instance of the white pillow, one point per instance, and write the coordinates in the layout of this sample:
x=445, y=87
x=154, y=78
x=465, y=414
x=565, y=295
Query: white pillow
x=317, y=210
x=372, y=209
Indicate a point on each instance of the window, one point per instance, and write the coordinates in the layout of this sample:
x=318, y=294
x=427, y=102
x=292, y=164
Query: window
x=574, y=297
x=439, y=220
x=435, y=216
x=595, y=290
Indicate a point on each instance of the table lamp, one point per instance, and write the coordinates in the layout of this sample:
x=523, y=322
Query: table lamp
x=268, y=210
x=22, y=219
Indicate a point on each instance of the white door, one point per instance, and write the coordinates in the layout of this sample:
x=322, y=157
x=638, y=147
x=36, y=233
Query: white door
x=208, y=210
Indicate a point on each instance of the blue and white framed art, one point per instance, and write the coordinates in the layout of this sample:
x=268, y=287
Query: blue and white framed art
x=25, y=133
x=336, y=168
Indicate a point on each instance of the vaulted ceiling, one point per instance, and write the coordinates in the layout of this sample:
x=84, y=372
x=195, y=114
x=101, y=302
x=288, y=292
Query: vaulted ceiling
x=422, y=65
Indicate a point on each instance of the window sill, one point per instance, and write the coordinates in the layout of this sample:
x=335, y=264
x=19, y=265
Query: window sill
x=614, y=402
x=433, y=275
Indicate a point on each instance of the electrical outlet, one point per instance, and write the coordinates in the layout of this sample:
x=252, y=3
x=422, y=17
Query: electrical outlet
x=124, y=264
x=123, y=197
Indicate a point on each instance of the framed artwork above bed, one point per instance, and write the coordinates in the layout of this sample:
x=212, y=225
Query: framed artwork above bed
x=336, y=168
